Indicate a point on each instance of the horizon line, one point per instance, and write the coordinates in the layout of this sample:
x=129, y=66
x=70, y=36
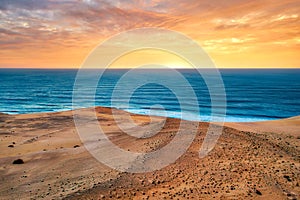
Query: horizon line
x=72, y=68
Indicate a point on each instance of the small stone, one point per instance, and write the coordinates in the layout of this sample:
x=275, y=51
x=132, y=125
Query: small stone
x=18, y=161
x=258, y=192
x=287, y=178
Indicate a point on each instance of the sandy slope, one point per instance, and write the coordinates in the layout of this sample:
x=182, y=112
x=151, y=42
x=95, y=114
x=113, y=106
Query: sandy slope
x=288, y=126
x=260, y=162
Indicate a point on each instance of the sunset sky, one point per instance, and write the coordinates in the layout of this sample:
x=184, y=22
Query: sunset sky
x=235, y=33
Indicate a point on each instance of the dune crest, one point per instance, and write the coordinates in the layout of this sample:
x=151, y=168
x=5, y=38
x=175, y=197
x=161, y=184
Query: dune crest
x=259, y=160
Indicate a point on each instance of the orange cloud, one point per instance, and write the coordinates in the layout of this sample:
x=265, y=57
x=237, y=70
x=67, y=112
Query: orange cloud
x=235, y=33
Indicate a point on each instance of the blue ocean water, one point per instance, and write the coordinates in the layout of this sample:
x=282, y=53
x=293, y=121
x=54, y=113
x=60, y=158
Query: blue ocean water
x=251, y=94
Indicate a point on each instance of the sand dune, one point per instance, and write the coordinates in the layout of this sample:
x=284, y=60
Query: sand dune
x=288, y=126
x=259, y=160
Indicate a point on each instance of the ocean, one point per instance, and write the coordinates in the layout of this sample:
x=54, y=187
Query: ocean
x=250, y=94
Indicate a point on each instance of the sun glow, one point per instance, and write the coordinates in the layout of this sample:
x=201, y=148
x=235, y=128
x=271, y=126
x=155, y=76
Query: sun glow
x=235, y=34
x=150, y=59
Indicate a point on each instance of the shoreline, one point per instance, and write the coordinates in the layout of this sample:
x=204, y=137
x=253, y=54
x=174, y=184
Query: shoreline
x=243, y=164
x=246, y=120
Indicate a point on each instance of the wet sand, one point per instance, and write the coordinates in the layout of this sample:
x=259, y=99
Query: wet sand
x=259, y=160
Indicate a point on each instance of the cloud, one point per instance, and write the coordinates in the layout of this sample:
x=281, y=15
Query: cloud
x=4, y=32
x=75, y=17
x=221, y=26
x=24, y=4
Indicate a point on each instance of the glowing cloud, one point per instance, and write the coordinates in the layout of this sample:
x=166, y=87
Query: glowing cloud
x=235, y=33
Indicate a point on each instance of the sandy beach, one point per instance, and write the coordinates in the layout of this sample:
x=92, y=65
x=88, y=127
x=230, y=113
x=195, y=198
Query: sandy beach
x=257, y=160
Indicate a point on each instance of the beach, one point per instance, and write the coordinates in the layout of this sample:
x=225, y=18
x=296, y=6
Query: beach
x=149, y=100
x=251, y=160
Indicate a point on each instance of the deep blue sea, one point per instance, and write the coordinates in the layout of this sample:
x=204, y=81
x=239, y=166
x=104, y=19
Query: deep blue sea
x=251, y=94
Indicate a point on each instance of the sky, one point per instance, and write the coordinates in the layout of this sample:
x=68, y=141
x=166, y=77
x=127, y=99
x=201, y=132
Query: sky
x=234, y=33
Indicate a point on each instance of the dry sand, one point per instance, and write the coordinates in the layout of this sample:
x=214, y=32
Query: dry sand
x=259, y=160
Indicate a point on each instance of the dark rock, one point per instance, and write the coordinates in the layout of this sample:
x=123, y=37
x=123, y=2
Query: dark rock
x=12, y=146
x=76, y=146
x=18, y=161
x=258, y=192
x=287, y=178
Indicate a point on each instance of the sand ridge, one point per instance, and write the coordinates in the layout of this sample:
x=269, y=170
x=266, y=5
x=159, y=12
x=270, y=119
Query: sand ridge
x=253, y=164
